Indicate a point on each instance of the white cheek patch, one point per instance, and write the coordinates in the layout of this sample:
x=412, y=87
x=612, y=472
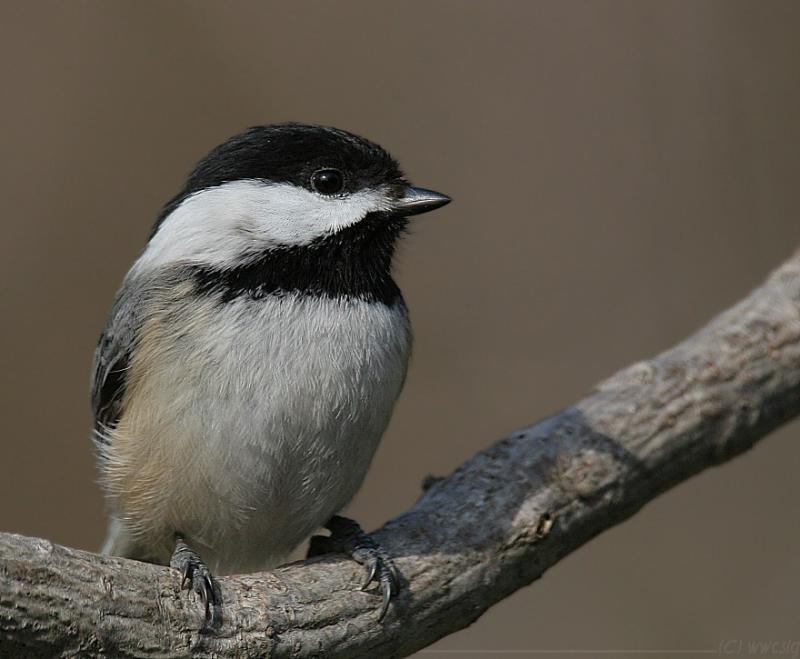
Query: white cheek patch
x=225, y=224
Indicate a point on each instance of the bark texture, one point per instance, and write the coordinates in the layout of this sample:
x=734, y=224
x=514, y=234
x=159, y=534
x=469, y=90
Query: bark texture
x=493, y=526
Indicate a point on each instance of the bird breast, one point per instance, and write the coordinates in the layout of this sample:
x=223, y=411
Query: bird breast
x=247, y=423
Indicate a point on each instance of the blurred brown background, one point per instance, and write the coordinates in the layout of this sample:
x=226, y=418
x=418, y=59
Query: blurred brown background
x=622, y=171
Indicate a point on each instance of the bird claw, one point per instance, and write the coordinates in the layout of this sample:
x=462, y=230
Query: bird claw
x=196, y=576
x=372, y=569
x=185, y=575
x=379, y=568
x=347, y=536
x=387, y=588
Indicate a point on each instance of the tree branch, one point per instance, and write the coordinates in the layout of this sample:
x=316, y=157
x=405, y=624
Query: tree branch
x=493, y=526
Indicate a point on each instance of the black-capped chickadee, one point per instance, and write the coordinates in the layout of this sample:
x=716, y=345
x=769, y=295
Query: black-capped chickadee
x=253, y=355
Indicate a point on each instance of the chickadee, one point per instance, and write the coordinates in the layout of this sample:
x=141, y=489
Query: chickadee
x=253, y=356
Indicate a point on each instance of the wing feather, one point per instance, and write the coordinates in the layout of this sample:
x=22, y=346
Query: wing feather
x=111, y=361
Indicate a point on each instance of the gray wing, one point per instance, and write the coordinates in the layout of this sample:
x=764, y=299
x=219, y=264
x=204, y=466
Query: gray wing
x=111, y=362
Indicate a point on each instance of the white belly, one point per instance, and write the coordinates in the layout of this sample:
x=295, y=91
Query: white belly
x=250, y=426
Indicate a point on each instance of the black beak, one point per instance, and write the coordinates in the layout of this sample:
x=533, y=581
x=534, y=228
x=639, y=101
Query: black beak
x=419, y=200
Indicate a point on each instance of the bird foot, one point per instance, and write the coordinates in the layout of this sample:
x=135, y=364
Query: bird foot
x=196, y=576
x=348, y=537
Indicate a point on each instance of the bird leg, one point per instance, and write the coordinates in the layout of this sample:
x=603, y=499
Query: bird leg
x=348, y=537
x=196, y=576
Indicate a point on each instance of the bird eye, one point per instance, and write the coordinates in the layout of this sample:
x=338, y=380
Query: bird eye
x=327, y=181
